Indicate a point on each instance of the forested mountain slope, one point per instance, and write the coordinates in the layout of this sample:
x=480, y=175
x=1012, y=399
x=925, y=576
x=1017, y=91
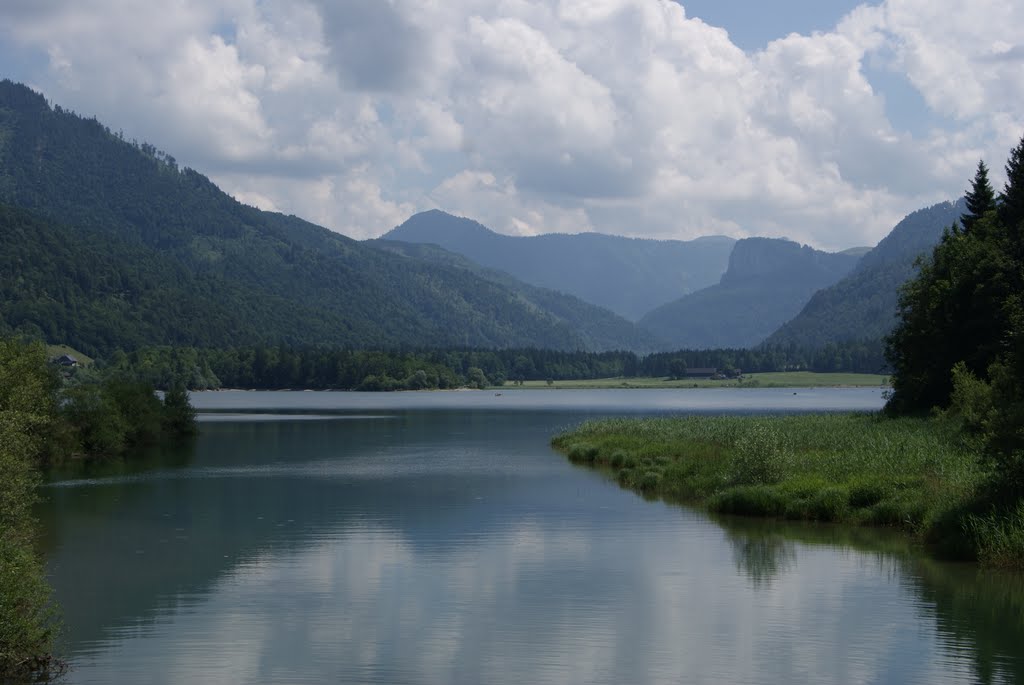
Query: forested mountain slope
x=599, y=328
x=109, y=244
x=768, y=281
x=862, y=306
x=629, y=276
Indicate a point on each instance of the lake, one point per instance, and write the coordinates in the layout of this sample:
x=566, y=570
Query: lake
x=436, y=538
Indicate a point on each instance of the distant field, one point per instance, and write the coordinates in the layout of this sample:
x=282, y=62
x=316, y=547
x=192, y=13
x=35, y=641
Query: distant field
x=57, y=350
x=784, y=379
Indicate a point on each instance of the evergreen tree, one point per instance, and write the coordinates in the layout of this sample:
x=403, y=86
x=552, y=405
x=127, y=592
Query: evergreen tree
x=958, y=309
x=1011, y=200
x=980, y=198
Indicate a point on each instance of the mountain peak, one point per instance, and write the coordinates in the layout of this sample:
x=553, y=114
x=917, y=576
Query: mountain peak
x=629, y=276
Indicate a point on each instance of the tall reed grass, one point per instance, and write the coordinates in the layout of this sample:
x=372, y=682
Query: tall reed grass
x=917, y=475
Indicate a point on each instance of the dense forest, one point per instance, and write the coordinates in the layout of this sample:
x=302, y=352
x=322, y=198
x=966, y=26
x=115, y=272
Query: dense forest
x=107, y=243
x=959, y=343
x=325, y=368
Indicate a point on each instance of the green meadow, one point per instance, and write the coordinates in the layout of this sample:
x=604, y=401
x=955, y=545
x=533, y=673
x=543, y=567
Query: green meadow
x=782, y=379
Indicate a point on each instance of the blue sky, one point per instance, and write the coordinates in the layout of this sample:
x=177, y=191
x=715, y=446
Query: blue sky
x=825, y=122
x=752, y=25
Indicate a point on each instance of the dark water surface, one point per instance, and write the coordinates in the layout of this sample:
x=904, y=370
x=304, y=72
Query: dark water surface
x=436, y=538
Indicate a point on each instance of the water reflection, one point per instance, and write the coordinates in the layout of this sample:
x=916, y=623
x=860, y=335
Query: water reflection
x=762, y=555
x=455, y=547
x=978, y=614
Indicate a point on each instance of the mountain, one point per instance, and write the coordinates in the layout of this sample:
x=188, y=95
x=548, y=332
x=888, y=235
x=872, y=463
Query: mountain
x=598, y=328
x=629, y=276
x=862, y=306
x=768, y=281
x=107, y=244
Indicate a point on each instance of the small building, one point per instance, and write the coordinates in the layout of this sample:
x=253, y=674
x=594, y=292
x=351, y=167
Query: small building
x=66, y=360
x=699, y=372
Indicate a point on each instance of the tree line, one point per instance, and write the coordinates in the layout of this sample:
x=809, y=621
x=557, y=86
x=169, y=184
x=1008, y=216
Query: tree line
x=332, y=368
x=959, y=345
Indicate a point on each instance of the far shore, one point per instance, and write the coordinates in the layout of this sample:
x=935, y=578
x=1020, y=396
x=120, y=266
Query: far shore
x=785, y=379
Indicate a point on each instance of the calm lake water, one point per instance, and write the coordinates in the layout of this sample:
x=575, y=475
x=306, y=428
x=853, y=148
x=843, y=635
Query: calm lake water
x=436, y=538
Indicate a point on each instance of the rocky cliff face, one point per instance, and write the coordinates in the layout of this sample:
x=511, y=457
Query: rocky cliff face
x=767, y=282
x=757, y=258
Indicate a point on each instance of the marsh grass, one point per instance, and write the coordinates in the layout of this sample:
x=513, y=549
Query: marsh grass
x=912, y=474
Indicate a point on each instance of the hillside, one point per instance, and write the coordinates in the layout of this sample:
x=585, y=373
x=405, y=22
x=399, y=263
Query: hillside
x=107, y=244
x=629, y=276
x=598, y=328
x=862, y=306
x=768, y=281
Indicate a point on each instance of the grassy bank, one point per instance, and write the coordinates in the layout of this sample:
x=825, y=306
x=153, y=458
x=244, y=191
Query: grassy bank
x=912, y=474
x=782, y=379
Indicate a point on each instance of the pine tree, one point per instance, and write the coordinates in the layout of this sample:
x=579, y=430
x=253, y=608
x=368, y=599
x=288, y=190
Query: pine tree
x=980, y=198
x=1011, y=200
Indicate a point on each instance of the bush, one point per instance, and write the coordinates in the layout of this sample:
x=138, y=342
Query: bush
x=760, y=456
x=829, y=504
x=1000, y=537
x=749, y=500
x=582, y=453
x=866, y=494
x=650, y=482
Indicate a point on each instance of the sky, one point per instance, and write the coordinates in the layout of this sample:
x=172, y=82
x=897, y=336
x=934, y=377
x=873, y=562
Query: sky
x=822, y=121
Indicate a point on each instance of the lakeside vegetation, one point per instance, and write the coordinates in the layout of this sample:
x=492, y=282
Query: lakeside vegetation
x=945, y=462
x=914, y=474
x=282, y=367
x=46, y=418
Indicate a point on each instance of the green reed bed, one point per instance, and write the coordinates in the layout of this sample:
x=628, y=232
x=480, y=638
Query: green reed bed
x=913, y=474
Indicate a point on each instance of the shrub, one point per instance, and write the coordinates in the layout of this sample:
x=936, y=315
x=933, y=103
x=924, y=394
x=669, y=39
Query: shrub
x=749, y=500
x=760, y=456
x=1000, y=537
x=829, y=504
x=582, y=452
x=866, y=494
x=650, y=481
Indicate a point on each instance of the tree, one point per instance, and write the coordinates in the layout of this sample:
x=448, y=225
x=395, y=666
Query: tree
x=476, y=378
x=179, y=417
x=959, y=342
x=981, y=198
x=27, y=627
x=956, y=308
x=1011, y=200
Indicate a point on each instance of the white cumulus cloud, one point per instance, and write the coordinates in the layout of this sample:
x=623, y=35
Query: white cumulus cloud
x=621, y=116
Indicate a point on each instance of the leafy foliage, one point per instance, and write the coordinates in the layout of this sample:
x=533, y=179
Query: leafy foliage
x=332, y=368
x=960, y=339
x=27, y=621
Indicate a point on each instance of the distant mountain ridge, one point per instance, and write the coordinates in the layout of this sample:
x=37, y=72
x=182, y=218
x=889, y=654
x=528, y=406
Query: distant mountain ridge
x=863, y=305
x=598, y=328
x=105, y=244
x=767, y=282
x=628, y=276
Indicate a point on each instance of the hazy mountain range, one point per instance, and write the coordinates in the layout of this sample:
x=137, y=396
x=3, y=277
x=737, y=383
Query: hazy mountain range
x=862, y=306
x=629, y=276
x=108, y=244
x=766, y=284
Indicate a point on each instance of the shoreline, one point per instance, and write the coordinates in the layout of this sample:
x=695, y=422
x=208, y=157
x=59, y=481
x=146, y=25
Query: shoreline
x=911, y=475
